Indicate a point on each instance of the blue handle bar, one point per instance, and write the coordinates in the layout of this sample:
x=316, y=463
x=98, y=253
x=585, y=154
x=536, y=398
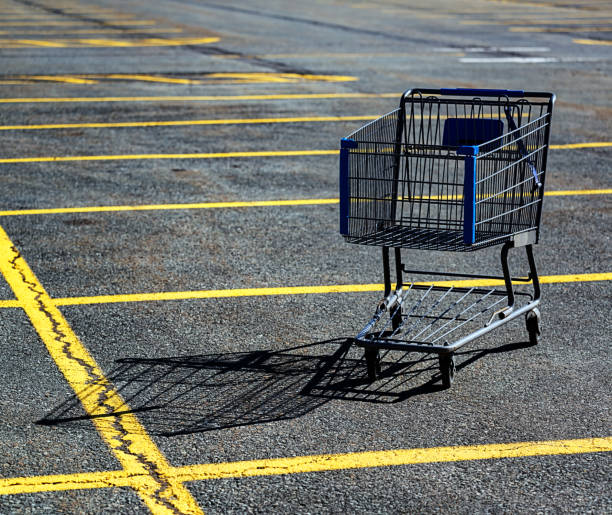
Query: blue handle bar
x=483, y=92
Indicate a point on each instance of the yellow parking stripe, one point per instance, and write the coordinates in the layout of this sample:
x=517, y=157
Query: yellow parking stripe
x=313, y=463
x=124, y=434
x=51, y=23
x=368, y=459
x=592, y=42
x=595, y=144
x=200, y=98
x=172, y=123
x=305, y=290
x=65, y=32
x=231, y=205
x=205, y=78
x=222, y=155
x=86, y=43
x=214, y=155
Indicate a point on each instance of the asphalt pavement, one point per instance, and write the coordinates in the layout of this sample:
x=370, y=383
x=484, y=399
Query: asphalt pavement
x=178, y=305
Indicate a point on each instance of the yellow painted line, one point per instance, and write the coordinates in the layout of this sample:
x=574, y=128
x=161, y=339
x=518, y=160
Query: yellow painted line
x=314, y=463
x=349, y=55
x=217, y=155
x=223, y=155
x=592, y=42
x=560, y=29
x=561, y=21
x=304, y=290
x=594, y=144
x=170, y=123
x=125, y=436
x=62, y=482
x=57, y=78
x=391, y=458
x=10, y=304
x=65, y=32
x=19, y=43
x=71, y=23
x=86, y=43
x=166, y=207
x=216, y=78
x=230, y=205
x=563, y=193
x=200, y=98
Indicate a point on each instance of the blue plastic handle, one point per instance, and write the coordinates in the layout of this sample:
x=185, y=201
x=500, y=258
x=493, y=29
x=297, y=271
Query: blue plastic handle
x=483, y=92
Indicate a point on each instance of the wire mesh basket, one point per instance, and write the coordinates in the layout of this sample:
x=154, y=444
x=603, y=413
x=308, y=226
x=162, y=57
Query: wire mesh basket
x=446, y=172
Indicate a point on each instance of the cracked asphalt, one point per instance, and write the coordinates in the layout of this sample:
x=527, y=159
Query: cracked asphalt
x=113, y=391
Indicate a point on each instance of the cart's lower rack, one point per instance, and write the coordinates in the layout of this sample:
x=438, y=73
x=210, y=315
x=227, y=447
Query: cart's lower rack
x=440, y=320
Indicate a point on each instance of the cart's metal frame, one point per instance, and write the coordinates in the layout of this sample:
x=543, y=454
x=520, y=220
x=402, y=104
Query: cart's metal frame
x=396, y=329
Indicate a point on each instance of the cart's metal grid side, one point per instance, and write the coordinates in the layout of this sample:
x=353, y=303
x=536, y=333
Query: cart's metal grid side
x=406, y=173
x=438, y=317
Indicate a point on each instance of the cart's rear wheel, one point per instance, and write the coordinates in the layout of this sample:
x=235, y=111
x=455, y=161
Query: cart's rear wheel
x=447, y=369
x=533, y=321
x=372, y=358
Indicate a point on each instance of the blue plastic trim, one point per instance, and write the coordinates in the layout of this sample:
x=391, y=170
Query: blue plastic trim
x=468, y=150
x=345, y=145
x=483, y=92
x=469, y=200
x=348, y=143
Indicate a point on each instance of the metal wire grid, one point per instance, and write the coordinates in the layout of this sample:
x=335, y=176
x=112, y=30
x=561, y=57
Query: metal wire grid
x=410, y=194
x=507, y=196
x=371, y=177
x=438, y=312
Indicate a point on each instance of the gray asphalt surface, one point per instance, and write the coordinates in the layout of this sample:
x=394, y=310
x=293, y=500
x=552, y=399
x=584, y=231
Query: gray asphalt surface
x=190, y=367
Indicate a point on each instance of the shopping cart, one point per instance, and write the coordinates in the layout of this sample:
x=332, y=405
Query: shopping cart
x=450, y=170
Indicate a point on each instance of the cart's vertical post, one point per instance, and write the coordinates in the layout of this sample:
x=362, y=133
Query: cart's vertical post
x=346, y=145
x=551, y=103
x=397, y=153
x=469, y=193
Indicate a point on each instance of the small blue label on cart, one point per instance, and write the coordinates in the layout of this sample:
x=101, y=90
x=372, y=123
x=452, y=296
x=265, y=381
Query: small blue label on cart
x=460, y=132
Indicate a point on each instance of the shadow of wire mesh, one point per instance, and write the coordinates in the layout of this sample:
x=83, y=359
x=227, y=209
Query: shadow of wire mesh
x=188, y=394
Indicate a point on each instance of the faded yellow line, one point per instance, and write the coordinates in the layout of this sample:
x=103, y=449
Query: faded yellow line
x=230, y=205
x=200, y=98
x=171, y=123
x=560, y=29
x=86, y=43
x=125, y=436
x=314, y=463
x=561, y=21
x=222, y=155
x=305, y=290
x=592, y=42
x=42, y=23
x=57, y=78
x=207, y=78
x=64, y=32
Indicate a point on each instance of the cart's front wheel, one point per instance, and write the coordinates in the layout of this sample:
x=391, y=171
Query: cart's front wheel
x=533, y=321
x=447, y=369
x=372, y=358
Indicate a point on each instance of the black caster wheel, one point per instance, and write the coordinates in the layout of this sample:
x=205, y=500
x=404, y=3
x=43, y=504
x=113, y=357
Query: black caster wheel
x=372, y=358
x=533, y=321
x=447, y=369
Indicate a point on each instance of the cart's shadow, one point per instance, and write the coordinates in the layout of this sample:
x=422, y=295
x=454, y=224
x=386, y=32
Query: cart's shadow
x=189, y=394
